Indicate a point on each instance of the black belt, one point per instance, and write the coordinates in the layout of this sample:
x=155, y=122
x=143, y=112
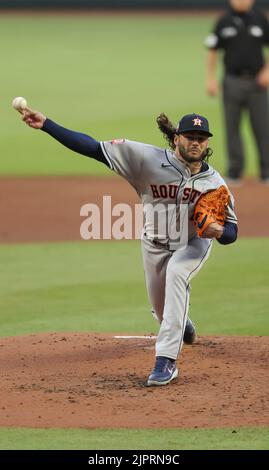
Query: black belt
x=158, y=243
x=161, y=245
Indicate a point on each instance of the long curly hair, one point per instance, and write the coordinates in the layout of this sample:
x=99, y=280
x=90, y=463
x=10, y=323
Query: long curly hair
x=169, y=131
x=167, y=128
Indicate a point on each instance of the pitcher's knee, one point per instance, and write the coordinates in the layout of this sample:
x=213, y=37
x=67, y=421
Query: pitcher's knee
x=175, y=275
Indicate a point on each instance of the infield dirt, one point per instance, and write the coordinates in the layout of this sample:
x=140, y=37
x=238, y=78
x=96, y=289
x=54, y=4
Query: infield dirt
x=91, y=381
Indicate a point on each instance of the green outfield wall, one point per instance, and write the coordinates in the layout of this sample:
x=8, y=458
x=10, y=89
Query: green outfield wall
x=118, y=3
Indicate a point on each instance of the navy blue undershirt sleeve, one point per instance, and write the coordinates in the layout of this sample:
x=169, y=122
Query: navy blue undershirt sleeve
x=229, y=234
x=80, y=143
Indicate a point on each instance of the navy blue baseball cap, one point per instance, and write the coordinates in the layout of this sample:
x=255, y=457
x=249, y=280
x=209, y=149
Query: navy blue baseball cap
x=194, y=122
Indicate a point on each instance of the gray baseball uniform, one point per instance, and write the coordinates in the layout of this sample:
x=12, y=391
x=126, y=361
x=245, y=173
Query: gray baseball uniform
x=168, y=192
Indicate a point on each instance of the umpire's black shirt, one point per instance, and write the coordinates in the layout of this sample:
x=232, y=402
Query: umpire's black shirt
x=242, y=36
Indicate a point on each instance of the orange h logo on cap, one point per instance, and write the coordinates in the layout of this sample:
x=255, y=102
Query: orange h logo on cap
x=197, y=122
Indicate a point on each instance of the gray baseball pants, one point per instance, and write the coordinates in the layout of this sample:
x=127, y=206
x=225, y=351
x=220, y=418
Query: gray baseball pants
x=168, y=275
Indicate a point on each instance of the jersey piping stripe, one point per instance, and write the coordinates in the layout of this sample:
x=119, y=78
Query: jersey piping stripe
x=182, y=176
x=177, y=194
x=184, y=316
x=200, y=261
x=202, y=175
x=174, y=166
x=106, y=155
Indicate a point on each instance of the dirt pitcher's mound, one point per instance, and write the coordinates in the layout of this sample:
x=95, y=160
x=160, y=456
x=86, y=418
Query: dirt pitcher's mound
x=91, y=381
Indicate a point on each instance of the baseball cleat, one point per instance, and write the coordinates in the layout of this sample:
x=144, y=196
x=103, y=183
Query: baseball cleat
x=164, y=371
x=189, y=333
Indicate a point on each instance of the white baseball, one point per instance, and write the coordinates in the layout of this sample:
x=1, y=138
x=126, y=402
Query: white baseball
x=19, y=103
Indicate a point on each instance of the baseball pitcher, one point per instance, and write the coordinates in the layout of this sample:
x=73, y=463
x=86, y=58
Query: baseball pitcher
x=186, y=206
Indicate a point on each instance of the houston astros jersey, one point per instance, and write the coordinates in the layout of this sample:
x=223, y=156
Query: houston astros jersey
x=164, y=184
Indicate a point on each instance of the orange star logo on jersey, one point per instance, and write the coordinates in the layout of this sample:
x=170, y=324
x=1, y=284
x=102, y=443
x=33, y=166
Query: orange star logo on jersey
x=197, y=122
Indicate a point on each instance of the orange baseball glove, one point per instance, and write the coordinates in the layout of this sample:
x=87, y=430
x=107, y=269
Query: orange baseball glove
x=211, y=207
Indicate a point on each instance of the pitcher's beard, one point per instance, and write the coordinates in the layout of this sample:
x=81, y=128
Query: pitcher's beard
x=188, y=158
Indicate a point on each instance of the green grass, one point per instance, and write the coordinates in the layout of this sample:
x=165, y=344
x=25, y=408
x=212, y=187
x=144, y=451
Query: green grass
x=106, y=76
x=99, y=286
x=163, y=439
x=230, y=294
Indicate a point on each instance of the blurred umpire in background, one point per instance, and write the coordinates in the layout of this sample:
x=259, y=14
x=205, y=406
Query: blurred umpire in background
x=242, y=32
